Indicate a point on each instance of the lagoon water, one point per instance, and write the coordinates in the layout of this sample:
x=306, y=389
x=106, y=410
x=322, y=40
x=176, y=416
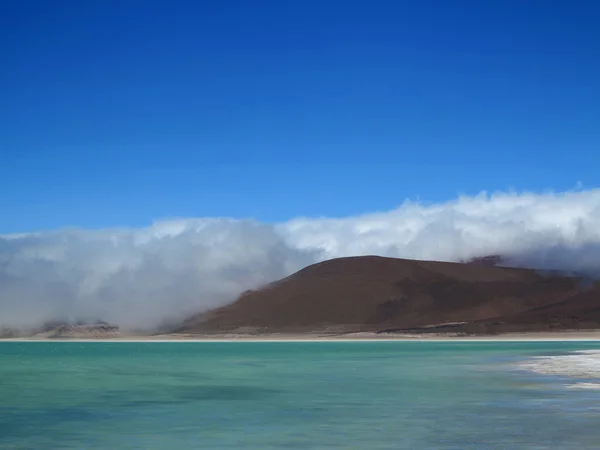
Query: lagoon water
x=295, y=395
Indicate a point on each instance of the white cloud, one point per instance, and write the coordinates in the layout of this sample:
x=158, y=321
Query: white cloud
x=137, y=277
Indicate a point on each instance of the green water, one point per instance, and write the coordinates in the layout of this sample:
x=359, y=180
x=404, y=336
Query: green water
x=320, y=395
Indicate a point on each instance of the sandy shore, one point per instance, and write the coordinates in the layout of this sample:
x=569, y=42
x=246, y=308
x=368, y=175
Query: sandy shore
x=580, y=335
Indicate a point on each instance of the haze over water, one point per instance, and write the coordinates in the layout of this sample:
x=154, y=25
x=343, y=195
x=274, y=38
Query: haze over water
x=303, y=395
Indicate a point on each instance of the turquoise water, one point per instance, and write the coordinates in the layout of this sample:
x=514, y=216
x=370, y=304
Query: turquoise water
x=275, y=395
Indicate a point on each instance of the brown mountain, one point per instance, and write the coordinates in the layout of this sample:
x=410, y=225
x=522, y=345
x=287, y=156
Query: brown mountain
x=374, y=293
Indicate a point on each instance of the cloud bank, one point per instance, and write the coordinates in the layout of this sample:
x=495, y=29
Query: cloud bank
x=140, y=278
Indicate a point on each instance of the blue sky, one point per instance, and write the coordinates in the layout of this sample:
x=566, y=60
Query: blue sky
x=116, y=113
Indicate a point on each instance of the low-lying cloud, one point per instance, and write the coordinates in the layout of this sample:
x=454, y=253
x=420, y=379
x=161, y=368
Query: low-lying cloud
x=140, y=278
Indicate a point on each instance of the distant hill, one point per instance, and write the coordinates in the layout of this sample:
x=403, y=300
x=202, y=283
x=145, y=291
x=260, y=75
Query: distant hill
x=490, y=260
x=58, y=329
x=96, y=331
x=372, y=293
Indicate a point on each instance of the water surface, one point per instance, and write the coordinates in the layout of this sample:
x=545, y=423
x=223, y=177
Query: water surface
x=291, y=395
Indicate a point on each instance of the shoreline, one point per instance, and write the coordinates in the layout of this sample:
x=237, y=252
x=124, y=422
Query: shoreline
x=558, y=336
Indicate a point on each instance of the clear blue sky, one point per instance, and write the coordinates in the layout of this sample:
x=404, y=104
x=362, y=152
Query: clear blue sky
x=118, y=112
